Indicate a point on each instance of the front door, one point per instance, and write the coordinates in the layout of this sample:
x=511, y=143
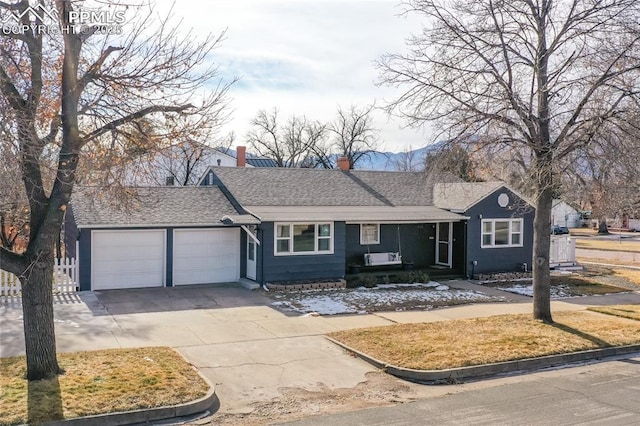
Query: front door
x=251, y=258
x=444, y=238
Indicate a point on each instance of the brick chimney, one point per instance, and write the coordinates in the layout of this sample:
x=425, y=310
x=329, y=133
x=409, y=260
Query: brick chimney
x=343, y=163
x=241, y=156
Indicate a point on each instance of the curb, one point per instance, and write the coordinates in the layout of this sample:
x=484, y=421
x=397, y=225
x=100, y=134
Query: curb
x=486, y=370
x=146, y=415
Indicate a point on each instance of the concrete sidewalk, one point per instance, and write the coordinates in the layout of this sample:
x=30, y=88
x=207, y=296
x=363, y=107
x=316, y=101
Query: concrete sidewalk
x=249, y=350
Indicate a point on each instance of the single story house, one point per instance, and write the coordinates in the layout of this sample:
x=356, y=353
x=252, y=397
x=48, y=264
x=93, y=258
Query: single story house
x=563, y=214
x=275, y=225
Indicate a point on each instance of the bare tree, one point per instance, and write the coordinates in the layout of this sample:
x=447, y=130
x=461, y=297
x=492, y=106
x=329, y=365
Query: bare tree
x=75, y=91
x=605, y=175
x=407, y=161
x=14, y=207
x=291, y=144
x=354, y=135
x=543, y=77
x=454, y=160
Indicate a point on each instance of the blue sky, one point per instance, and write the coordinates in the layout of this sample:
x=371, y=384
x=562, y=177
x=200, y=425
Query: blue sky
x=305, y=57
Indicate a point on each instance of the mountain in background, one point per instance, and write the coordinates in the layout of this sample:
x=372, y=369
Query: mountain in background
x=394, y=161
x=379, y=161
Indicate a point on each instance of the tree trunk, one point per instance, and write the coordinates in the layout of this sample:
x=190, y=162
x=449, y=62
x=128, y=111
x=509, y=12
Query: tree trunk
x=541, y=248
x=602, y=226
x=39, y=332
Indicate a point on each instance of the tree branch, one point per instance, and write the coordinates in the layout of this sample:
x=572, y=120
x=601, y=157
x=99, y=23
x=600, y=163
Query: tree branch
x=12, y=262
x=130, y=118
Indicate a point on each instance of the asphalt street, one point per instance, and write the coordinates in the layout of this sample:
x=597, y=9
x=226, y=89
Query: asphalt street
x=606, y=393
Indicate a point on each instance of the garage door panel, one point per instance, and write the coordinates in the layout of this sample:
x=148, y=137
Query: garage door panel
x=128, y=259
x=203, y=256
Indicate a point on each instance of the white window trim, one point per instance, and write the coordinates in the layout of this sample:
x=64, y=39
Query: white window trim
x=369, y=243
x=493, y=233
x=290, y=238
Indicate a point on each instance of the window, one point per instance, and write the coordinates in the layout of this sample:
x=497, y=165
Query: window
x=307, y=238
x=501, y=233
x=369, y=233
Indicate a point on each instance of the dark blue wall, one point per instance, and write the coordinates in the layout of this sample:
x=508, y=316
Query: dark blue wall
x=459, y=247
x=417, y=243
x=502, y=259
x=84, y=259
x=168, y=279
x=300, y=267
x=70, y=233
x=243, y=254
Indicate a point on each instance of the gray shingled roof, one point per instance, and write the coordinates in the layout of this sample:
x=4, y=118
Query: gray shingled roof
x=316, y=187
x=400, y=189
x=164, y=206
x=461, y=196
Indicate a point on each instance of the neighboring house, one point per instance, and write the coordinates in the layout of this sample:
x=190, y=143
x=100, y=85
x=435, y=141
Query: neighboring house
x=285, y=225
x=184, y=164
x=562, y=214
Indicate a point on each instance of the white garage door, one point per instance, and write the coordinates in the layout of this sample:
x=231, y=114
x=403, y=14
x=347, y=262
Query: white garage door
x=127, y=259
x=203, y=256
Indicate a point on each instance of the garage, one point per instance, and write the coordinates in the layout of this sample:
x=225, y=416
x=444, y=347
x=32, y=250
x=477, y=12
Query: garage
x=203, y=256
x=127, y=259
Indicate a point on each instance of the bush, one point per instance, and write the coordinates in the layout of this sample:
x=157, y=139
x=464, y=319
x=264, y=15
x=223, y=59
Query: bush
x=368, y=281
x=410, y=277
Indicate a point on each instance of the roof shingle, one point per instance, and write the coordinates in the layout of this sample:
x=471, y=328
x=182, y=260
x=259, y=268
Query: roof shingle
x=166, y=205
x=319, y=187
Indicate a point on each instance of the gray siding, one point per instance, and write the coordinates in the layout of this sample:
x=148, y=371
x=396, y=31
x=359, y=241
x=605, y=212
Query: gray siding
x=498, y=259
x=417, y=243
x=301, y=267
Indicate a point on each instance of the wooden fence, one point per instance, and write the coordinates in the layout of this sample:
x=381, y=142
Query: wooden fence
x=563, y=251
x=65, y=279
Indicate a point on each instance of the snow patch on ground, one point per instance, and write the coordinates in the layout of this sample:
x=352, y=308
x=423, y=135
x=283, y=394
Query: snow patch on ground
x=557, y=292
x=387, y=297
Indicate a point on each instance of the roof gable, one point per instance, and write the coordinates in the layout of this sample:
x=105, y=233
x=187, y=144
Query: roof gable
x=461, y=196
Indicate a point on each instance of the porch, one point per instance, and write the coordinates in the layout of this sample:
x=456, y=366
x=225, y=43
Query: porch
x=390, y=274
x=437, y=248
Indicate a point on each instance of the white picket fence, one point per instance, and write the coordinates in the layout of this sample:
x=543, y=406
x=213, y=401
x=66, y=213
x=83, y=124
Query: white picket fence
x=65, y=279
x=563, y=251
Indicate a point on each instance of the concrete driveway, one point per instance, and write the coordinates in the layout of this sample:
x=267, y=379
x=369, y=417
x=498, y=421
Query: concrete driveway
x=246, y=348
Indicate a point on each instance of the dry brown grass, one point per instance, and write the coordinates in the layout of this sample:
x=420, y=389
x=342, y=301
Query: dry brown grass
x=459, y=343
x=631, y=275
x=578, y=285
x=98, y=382
x=609, y=245
x=588, y=260
x=623, y=311
x=582, y=231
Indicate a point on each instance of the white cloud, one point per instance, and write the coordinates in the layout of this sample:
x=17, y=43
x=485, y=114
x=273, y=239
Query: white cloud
x=304, y=57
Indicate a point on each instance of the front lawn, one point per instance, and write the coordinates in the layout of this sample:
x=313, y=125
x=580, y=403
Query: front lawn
x=570, y=285
x=459, y=343
x=382, y=297
x=608, y=245
x=623, y=311
x=98, y=382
